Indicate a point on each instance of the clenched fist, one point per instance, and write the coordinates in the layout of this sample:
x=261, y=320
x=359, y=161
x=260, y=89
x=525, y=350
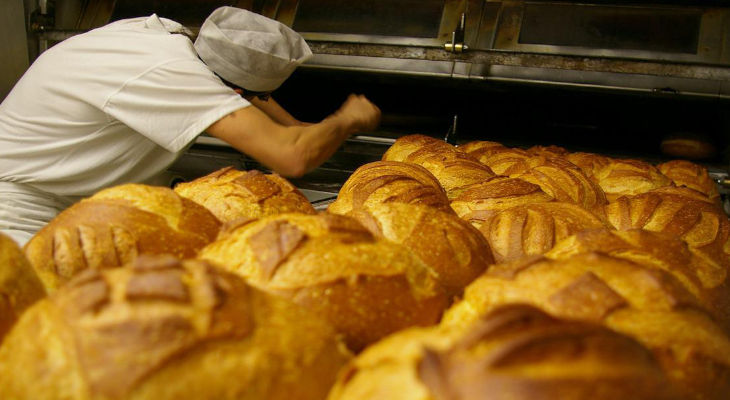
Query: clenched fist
x=360, y=114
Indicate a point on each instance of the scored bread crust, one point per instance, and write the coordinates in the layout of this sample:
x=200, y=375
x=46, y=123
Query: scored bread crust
x=516, y=352
x=231, y=194
x=115, y=225
x=389, y=182
x=648, y=304
x=366, y=288
x=165, y=329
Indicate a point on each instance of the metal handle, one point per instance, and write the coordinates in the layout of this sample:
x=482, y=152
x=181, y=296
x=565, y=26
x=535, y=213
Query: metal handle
x=456, y=45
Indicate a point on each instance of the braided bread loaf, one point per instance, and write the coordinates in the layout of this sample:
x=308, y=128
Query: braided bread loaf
x=329, y=263
x=647, y=304
x=659, y=251
x=449, y=245
x=454, y=169
x=383, y=182
x=516, y=352
x=19, y=285
x=112, y=227
x=533, y=229
x=231, y=194
x=165, y=329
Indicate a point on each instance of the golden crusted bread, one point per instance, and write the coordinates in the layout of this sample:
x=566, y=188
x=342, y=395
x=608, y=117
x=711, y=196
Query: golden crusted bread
x=551, y=151
x=453, y=169
x=691, y=175
x=480, y=201
x=449, y=245
x=112, y=227
x=629, y=177
x=383, y=182
x=680, y=212
x=533, y=229
x=694, y=147
x=231, y=194
x=661, y=251
x=514, y=353
x=565, y=182
x=366, y=288
x=502, y=160
x=589, y=163
x=165, y=329
x=19, y=284
x=648, y=304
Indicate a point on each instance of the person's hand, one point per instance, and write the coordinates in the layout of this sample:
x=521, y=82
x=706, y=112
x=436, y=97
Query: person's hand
x=359, y=113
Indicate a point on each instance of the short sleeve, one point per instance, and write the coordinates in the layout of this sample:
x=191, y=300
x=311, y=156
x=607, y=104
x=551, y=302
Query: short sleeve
x=173, y=103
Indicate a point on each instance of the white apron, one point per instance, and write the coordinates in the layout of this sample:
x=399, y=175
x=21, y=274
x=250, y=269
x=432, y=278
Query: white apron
x=24, y=210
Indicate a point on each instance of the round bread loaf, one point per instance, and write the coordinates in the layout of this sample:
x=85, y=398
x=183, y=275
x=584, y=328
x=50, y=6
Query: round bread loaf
x=515, y=352
x=629, y=177
x=533, y=229
x=164, y=329
x=449, y=245
x=366, y=288
x=112, y=227
x=19, y=285
x=454, y=169
x=231, y=194
x=690, y=146
x=589, y=163
x=647, y=304
x=682, y=213
x=565, y=182
x=691, y=175
x=480, y=201
x=550, y=151
x=500, y=159
x=383, y=182
x=660, y=251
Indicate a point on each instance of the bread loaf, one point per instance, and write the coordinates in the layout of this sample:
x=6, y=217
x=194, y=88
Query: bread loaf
x=164, y=329
x=589, y=163
x=366, y=288
x=231, y=194
x=565, y=182
x=19, y=285
x=500, y=159
x=453, y=169
x=647, y=304
x=659, y=251
x=629, y=177
x=533, y=229
x=689, y=146
x=516, y=352
x=682, y=213
x=550, y=151
x=480, y=201
x=113, y=226
x=453, y=248
x=691, y=175
x=383, y=182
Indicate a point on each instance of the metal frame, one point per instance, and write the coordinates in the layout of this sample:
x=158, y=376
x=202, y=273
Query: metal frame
x=710, y=44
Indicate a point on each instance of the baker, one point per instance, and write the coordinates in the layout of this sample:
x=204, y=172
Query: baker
x=121, y=103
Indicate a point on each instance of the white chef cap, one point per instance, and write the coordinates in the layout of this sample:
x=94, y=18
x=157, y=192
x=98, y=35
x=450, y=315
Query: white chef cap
x=250, y=50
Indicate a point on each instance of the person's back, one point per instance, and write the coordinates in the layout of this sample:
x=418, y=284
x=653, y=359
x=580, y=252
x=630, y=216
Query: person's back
x=114, y=105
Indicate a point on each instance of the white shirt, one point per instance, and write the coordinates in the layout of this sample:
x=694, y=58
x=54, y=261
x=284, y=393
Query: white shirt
x=115, y=105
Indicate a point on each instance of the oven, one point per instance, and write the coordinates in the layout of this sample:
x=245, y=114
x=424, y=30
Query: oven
x=612, y=77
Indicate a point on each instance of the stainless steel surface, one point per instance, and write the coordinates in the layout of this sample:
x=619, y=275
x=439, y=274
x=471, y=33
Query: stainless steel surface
x=14, y=47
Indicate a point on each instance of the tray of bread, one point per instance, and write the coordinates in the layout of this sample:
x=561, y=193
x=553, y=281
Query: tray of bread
x=438, y=272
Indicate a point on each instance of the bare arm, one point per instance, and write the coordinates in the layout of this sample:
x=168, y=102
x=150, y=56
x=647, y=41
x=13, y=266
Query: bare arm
x=294, y=150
